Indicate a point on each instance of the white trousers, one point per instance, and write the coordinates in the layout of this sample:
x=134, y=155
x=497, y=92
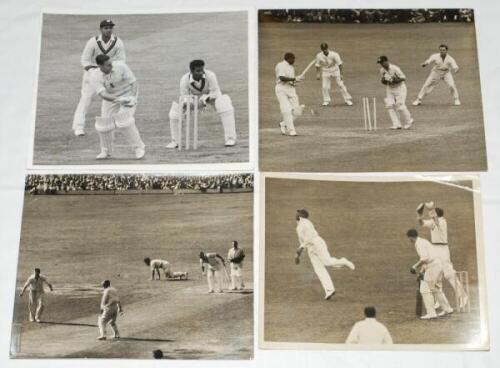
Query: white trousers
x=326, y=85
x=87, y=93
x=433, y=80
x=108, y=315
x=35, y=305
x=214, y=275
x=395, y=103
x=237, y=275
x=131, y=133
x=431, y=286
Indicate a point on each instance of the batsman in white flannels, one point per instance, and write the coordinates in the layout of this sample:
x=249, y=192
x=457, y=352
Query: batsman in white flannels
x=104, y=44
x=395, y=100
x=36, y=283
x=212, y=264
x=110, y=308
x=444, y=68
x=235, y=256
x=287, y=95
x=117, y=86
x=203, y=83
x=318, y=252
x=328, y=67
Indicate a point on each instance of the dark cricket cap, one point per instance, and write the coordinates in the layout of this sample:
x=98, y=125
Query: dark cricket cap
x=323, y=46
x=303, y=212
x=106, y=23
x=381, y=59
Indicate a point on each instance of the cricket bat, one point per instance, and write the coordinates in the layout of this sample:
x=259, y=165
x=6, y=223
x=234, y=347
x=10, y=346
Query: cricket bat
x=307, y=68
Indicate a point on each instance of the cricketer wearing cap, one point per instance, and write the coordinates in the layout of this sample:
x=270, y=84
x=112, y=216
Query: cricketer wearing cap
x=369, y=331
x=36, y=283
x=431, y=266
x=203, y=83
x=444, y=66
x=395, y=100
x=318, y=252
x=104, y=44
x=156, y=265
x=110, y=307
x=438, y=227
x=286, y=94
x=235, y=256
x=328, y=67
x=117, y=86
x=212, y=264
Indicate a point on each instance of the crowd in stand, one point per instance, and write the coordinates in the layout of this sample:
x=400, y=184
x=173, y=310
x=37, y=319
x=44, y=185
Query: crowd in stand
x=371, y=15
x=52, y=184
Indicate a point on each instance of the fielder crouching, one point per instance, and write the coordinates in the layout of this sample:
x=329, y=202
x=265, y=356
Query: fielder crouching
x=117, y=86
x=203, y=83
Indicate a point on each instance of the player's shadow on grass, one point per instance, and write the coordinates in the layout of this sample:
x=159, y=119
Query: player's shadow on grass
x=68, y=324
x=144, y=339
x=243, y=292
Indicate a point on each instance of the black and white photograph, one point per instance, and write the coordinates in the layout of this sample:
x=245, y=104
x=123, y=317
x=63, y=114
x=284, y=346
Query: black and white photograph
x=369, y=90
x=371, y=263
x=135, y=266
x=118, y=89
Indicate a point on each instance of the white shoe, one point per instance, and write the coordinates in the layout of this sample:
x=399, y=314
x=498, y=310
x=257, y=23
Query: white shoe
x=329, y=295
x=283, y=128
x=292, y=132
x=326, y=103
x=441, y=314
x=348, y=103
x=32, y=319
x=457, y=103
x=409, y=124
x=429, y=316
x=395, y=127
x=103, y=155
x=140, y=153
x=101, y=338
x=172, y=144
x=436, y=305
x=417, y=102
x=348, y=263
x=79, y=132
x=230, y=142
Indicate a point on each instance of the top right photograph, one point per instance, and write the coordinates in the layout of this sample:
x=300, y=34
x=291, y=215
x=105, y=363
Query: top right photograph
x=369, y=90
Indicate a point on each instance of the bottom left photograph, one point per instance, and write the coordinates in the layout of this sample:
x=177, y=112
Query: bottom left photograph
x=135, y=266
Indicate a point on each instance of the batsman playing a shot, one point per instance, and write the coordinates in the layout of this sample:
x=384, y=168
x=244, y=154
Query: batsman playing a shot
x=438, y=227
x=286, y=94
x=235, y=256
x=328, y=67
x=36, y=283
x=156, y=265
x=444, y=68
x=203, y=83
x=110, y=307
x=318, y=252
x=213, y=265
x=117, y=86
x=104, y=44
x=431, y=267
x=395, y=100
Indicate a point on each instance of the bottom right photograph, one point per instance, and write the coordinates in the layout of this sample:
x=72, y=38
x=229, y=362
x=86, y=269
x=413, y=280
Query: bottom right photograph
x=371, y=263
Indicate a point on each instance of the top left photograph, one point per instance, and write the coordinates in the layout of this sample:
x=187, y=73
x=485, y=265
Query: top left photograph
x=143, y=89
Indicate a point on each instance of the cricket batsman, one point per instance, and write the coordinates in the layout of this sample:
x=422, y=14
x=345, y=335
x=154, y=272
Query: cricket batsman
x=444, y=68
x=235, y=257
x=318, y=252
x=36, y=283
x=287, y=95
x=203, y=83
x=212, y=265
x=117, y=87
x=328, y=67
x=104, y=44
x=395, y=100
x=110, y=307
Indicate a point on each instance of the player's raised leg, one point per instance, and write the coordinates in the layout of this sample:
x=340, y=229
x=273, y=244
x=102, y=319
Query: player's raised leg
x=323, y=275
x=321, y=250
x=225, y=109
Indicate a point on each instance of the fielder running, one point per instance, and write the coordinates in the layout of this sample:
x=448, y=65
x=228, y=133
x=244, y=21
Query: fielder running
x=235, y=257
x=438, y=227
x=431, y=266
x=318, y=252
x=286, y=94
x=203, y=83
x=110, y=307
x=36, y=283
x=444, y=66
x=104, y=44
x=212, y=264
x=117, y=86
x=328, y=67
x=395, y=99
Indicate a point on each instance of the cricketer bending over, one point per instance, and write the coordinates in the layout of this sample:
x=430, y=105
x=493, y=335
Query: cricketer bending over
x=438, y=227
x=318, y=252
x=203, y=83
x=117, y=86
x=35, y=283
x=212, y=264
x=110, y=307
x=328, y=67
x=395, y=99
x=286, y=94
x=156, y=265
x=431, y=266
x=104, y=44
x=444, y=66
